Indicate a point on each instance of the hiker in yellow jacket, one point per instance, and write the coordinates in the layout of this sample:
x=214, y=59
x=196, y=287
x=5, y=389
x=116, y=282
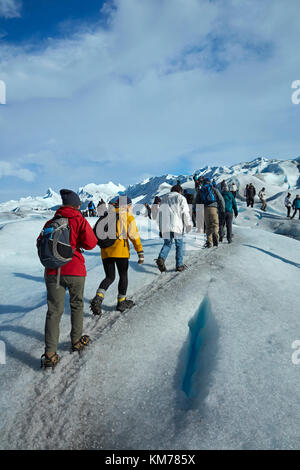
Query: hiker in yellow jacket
x=118, y=253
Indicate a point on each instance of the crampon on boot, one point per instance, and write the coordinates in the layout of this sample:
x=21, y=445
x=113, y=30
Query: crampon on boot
x=96, y=303
x=207, y=245
x=215, y=240
x=49, y=361
x=181, y=268
x=124, y=305
x=161, y=265
x=81, y=343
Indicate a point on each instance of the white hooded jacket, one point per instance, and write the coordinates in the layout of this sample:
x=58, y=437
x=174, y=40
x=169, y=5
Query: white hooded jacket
x=262, y=195
x=174, y=214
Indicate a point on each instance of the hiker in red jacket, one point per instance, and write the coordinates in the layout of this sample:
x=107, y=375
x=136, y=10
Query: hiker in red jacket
x=72, y=277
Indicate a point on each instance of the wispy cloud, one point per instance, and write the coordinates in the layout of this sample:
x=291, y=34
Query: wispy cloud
x=10, y=8
x=9, y=169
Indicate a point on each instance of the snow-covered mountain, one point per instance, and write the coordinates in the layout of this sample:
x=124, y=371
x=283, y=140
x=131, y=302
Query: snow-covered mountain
x=96, y=192
x=50, y=200
x=277, y=176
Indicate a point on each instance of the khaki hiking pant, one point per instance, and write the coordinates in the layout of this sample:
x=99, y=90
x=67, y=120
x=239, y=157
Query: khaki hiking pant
x=211, y=220
x=56, y=301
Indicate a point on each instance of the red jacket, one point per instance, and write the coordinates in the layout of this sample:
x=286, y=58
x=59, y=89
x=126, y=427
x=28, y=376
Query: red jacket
x=81, y=236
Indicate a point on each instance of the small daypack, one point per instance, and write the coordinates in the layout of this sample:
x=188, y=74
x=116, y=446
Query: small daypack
x=53, y=246
x=105, y=237
x=207, y=193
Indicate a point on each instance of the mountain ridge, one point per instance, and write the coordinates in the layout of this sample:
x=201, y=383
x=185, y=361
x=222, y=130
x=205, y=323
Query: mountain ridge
x=277, y=176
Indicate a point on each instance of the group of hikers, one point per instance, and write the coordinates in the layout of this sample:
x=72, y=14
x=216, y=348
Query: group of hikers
x=249, y=194
x=92, y=210
x=175, y=212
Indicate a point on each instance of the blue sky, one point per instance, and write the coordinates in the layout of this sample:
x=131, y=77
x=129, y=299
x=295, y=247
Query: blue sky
x=116, y=90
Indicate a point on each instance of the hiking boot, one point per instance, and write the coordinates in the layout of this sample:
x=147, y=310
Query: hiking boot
x=215, y=240
x=161, y=265
x=81, y=343
x=207, y=245
x=95, y=304
x=181, y=268
x=124, y=305
x=49, y=360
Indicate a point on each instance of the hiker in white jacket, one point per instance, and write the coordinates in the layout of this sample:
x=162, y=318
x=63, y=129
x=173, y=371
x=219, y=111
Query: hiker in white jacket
x=288, y=204
x=174, y=220
x=263, y=198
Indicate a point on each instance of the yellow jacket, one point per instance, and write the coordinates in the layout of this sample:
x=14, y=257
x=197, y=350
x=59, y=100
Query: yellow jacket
x=126, y=229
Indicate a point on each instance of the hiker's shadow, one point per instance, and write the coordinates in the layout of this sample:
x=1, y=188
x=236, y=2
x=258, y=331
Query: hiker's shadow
x=29, y=277
x=140, y=268
x=21, y=355
x=92, y=253
x=4, y=309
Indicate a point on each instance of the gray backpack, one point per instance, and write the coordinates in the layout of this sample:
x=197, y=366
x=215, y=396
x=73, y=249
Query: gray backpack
x=53, y=246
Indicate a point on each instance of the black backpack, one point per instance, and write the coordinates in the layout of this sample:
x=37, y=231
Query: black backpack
x=107, y=236
x=53, y=246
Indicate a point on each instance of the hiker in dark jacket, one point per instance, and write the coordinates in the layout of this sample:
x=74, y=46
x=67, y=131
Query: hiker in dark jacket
x=250, y=194
x=92, y=209
x=190, y=200
x=148, y=210
x=155, y=207
x=72, y=277
x=227, y=216
x=222, y=185
x=296, y=206
x=212, y=205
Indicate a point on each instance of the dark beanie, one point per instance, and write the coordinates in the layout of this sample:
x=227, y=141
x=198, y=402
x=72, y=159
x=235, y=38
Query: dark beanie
x=69, y=198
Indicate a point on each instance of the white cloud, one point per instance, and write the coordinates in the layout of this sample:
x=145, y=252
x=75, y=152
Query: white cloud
x=10, y=8
x=9, y=169
x=206, y=82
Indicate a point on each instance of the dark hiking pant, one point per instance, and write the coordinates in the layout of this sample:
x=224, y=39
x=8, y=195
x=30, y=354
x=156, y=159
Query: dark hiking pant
x=56, y=302
x=109, y=265
x=288, y=208
x=250, y=201
x=295, y=212
x=226, y=219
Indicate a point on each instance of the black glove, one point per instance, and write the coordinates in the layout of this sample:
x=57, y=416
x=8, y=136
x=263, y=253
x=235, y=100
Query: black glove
x=141, y=257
